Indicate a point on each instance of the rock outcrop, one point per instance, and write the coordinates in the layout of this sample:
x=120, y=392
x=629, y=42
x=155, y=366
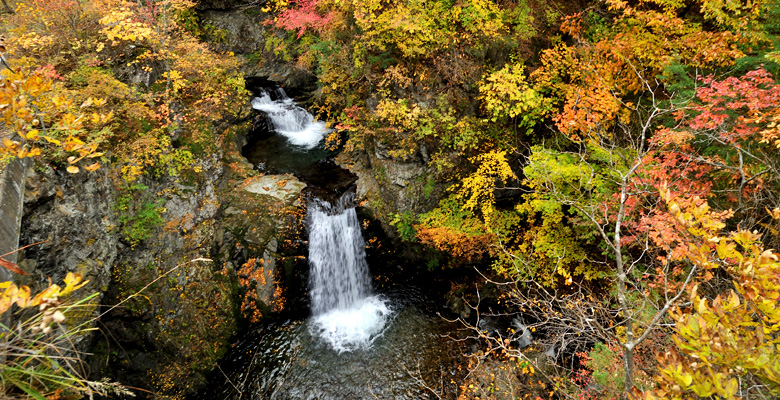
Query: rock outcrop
x=170, y=294
x=11, y=201
x=71, y=216
x=392, y=185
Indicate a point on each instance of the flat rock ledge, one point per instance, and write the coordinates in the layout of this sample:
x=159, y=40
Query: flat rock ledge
x=284, y=187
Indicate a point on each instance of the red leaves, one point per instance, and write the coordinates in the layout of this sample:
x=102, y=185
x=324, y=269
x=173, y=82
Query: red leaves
x=49, y=72
x=755, y=90
x=303, y=18
x=749, y=94
x=11, y=266
x=731, y=114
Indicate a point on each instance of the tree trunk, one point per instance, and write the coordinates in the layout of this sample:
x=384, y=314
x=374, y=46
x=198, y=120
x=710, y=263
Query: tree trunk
x=628, y=365
x=628, y=346
x=8, y=9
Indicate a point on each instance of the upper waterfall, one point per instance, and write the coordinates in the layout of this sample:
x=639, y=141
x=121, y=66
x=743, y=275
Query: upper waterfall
x=290, y=120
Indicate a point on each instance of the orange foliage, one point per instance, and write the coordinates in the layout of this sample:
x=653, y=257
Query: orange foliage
x=251, y=276
x=591, y=79
x=587, y=110
x=45, y=117
x=465, y=248
x=770, y=133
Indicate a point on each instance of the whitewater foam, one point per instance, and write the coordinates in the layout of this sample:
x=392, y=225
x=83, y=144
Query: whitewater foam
x=352, y=328
x=291, y=121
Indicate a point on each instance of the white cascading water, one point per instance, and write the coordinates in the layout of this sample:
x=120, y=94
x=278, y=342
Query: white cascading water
x=344, y=312
x=291, y=121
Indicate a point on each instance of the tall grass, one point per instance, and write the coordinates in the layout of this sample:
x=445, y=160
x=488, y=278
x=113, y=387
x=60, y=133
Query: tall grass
x=39, y=352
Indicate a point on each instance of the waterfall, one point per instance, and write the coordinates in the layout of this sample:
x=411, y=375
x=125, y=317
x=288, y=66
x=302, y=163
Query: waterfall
x=337, y=258
x=290, y=120
x=344, y=312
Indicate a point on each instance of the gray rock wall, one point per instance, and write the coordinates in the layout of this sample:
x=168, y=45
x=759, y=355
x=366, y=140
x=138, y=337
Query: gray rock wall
x=11, y=202
x=72, y=215
x=178, y=292
x=243, y=31
x=393, y=185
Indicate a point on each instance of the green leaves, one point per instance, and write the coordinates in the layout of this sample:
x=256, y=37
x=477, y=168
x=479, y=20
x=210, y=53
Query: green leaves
x=575, y=176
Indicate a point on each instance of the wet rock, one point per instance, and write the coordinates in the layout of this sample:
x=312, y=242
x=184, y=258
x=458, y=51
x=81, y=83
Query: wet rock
x=259, y=214
x=267, y=287
x=298, y=82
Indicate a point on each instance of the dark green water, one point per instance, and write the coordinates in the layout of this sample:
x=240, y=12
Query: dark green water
x=283, y=360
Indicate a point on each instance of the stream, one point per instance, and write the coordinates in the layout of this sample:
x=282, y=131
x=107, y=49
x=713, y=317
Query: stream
x=357, y=342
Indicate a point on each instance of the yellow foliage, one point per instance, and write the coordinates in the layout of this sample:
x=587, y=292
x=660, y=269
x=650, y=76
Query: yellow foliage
x=122, y=25
x=40, y=113
x=22, y=297
x=477, y=189
x=177, y=82
x=737, y=333
x=506, y=93
x=72, y=116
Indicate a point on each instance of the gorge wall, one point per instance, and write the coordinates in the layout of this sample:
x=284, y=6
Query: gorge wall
x=170, y=302
x=11, y=200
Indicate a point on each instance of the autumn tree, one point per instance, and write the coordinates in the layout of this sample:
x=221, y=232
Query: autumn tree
x=183, y=93
x=626, y=131
x=724, y=346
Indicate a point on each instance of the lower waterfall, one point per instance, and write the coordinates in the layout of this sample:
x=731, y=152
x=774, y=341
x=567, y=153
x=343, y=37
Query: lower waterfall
x=345, y=314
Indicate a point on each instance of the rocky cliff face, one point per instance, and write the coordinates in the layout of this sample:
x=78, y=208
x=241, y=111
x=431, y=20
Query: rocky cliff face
x=242, y=29
x=71, y=216
x=168, y=304
x=393, y=185
x=11, y=208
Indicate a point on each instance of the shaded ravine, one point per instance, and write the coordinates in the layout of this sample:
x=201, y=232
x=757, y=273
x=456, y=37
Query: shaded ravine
x=410, y=360
x=354, y=342
x=286, y=139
